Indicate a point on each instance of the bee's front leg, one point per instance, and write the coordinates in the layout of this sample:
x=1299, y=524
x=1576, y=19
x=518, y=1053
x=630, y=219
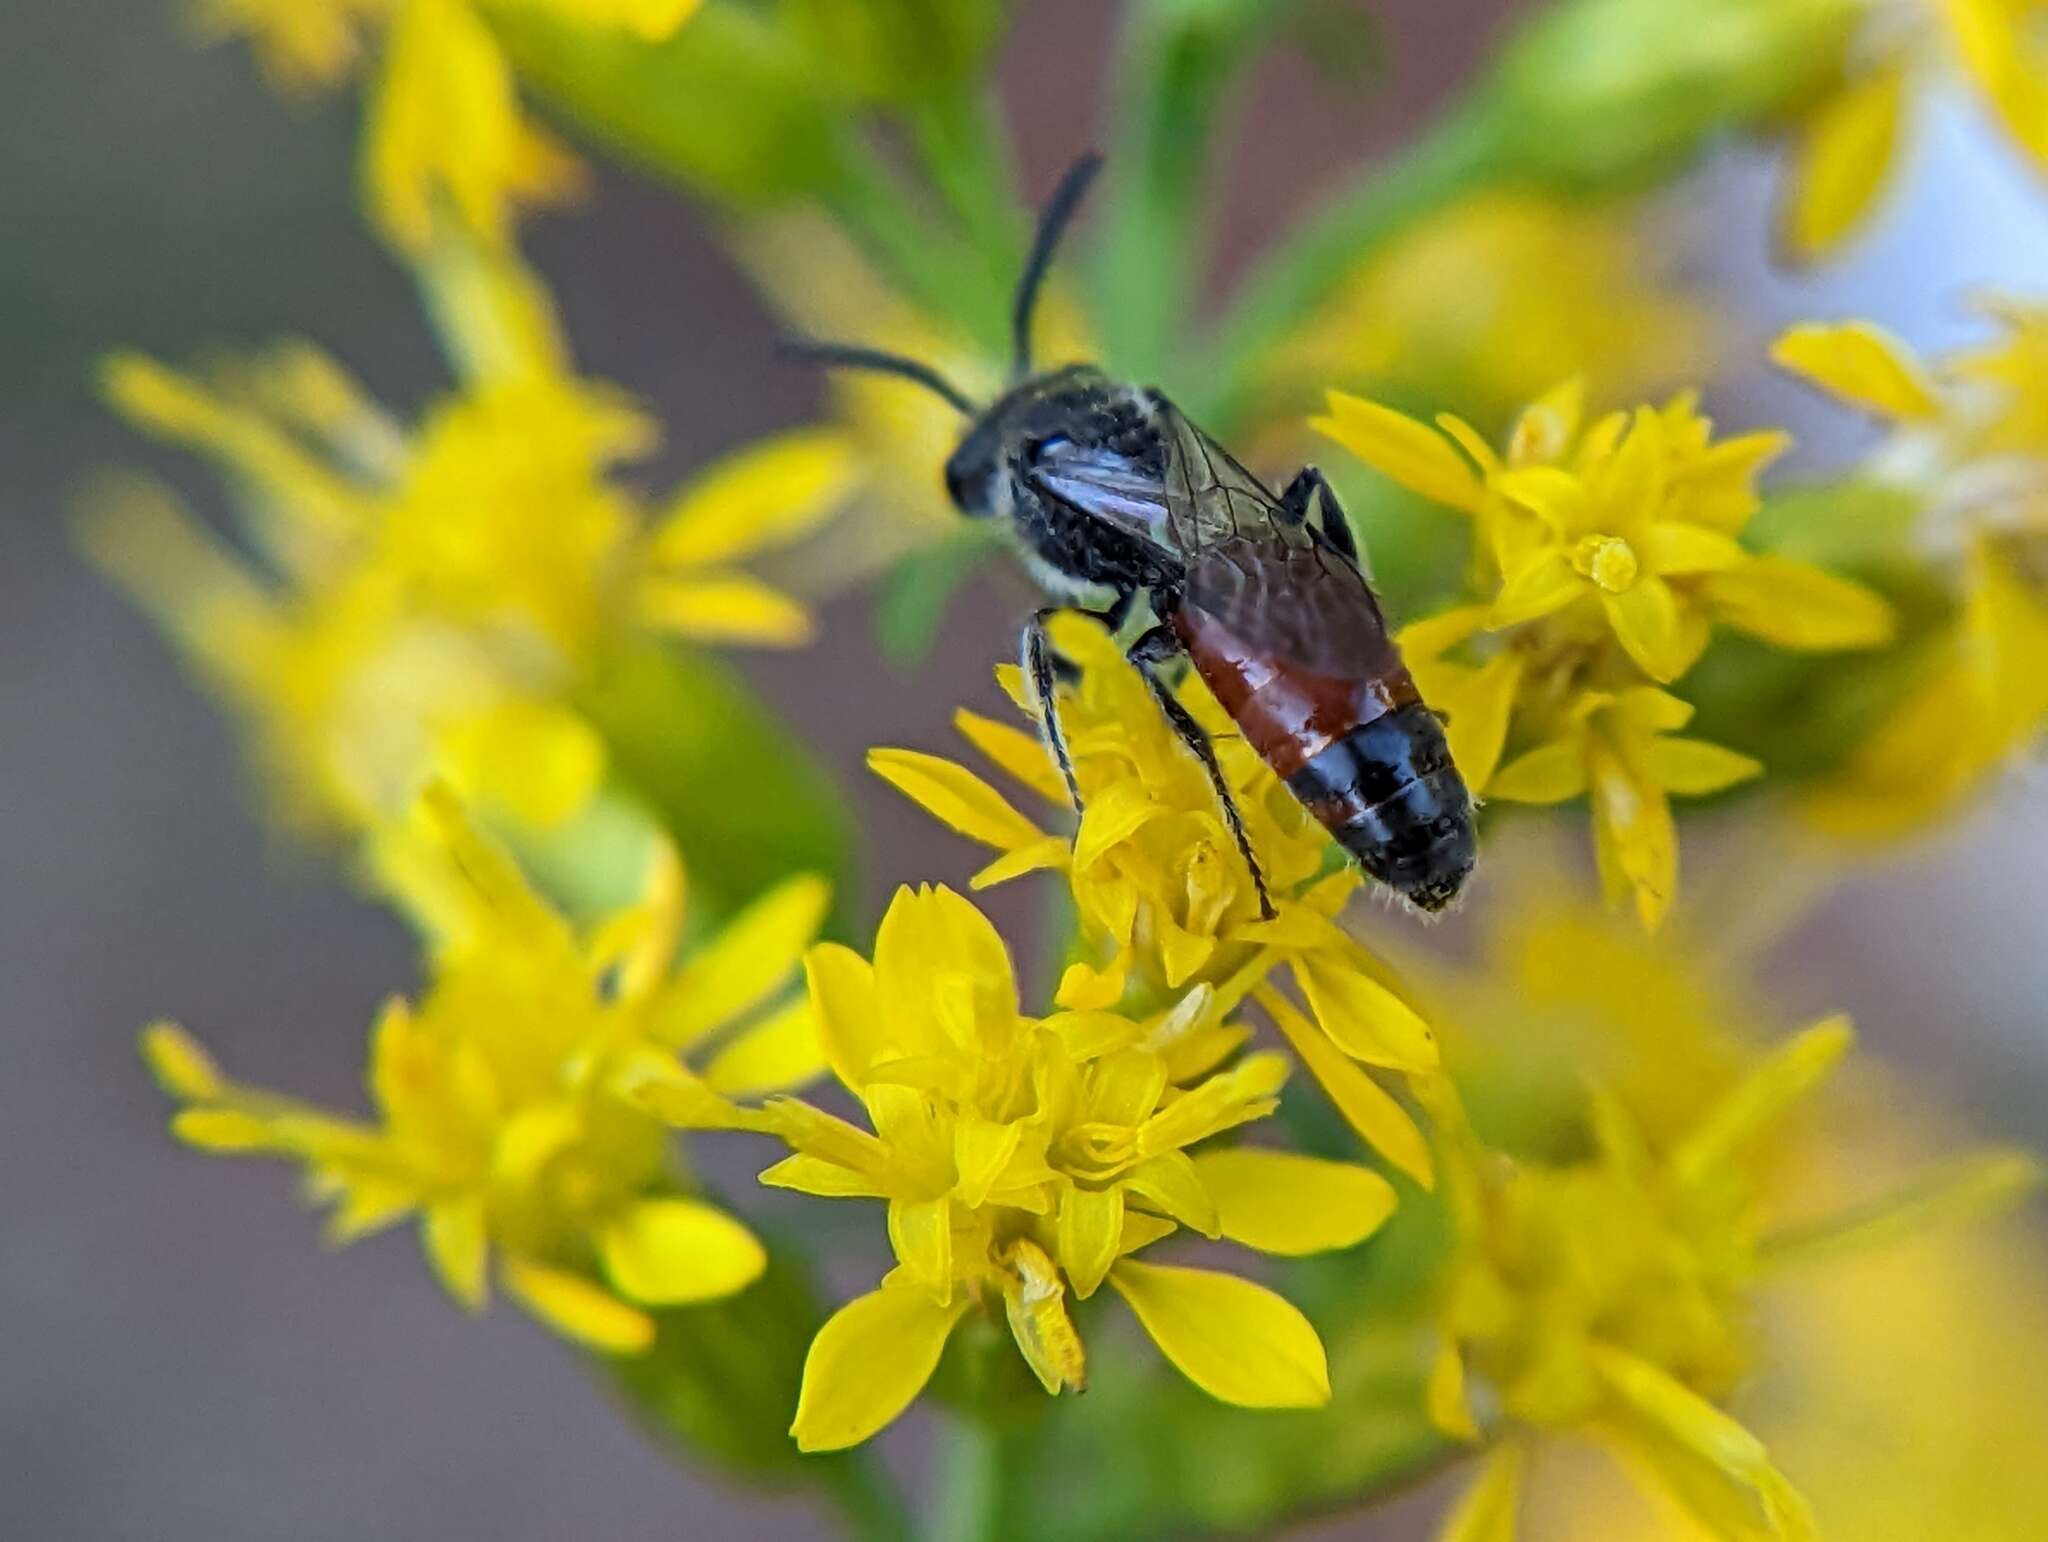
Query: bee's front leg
x=1038, y=673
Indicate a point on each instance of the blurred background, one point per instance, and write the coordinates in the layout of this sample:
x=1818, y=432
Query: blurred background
x=179, y=1357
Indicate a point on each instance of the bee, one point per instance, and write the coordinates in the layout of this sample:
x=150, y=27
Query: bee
x=1113, y=494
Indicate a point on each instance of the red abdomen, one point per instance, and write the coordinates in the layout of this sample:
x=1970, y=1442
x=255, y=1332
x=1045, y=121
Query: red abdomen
x=1295, y=652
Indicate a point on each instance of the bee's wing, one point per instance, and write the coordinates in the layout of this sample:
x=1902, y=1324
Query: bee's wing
x=1211, y=497
x=1105, y=485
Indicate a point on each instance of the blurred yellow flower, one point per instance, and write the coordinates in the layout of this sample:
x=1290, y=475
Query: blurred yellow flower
x=1970, y=444
x=1604, y=554
x=1024, y=1160
x=1849, y=142
x=444, y=128
x=1479, y=301
x=508, y=1098
x=1163, y=895
x=434, y=596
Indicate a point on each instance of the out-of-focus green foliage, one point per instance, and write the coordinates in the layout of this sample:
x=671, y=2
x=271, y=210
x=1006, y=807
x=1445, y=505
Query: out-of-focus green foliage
x=742, y=795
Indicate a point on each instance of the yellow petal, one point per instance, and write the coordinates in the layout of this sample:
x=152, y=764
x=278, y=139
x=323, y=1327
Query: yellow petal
x=667, y=1252
x=182, y=1068
x=765, y=495
x=1367, y=1107
x=956, y=796
x=777, y=1054
x=1450, y=1409
x=921, y=1232
x=1673, y=546
x=1960, y=1193
x=1646, y=624
x=1366, y=1020
x=1542, y=586
x=1281, y=1202
x=1022, y=755
x=458, y=1249
x=1237, y=1341
x=1410, y=453
x=1034, y=1301
x=1478, y=728
x=1861, y=363
x=1486, y=1511
x=849, y=1017
x=576, y=1307
x=1550, y=773
x=224, y=1130
x=1844, y=157
x=725, y=608
x=1049, y=851
x=1760, y=1099
x=1675, y=1412
x=1694, y=768
x=872, y=1357
x=2002, y=47
x=1634, y=840
x=745, y=963
x=1793, y=604
x=1091, y=1224
x=982, y=1148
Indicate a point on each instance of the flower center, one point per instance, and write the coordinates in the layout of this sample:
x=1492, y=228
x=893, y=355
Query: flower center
x=1608, y=560
x=1097, y=1151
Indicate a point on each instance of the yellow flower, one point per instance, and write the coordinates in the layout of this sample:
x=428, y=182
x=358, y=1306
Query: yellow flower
x=444, y=120
x=1024, y=1160
x=1604, y=555
x=1850, y=141
x=434, y=596
x=1618, y=748
x=1633, y=1188
x=508, y=1098
x=1482, y=299
x=1163, y=895
x=1612, y=1296
x=1970, y=444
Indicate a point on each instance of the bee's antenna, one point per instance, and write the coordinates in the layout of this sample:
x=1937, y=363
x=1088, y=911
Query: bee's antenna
x=1052, y=224
x=846, y=356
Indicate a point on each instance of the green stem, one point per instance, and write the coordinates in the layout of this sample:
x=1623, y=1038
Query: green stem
x=970, y=1501
x=1462, y=152
x=873, y=1509
x=963, y=146
x=1173, y=73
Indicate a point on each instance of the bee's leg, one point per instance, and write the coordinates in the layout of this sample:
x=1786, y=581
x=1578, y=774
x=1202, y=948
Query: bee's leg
x=1038, y=673
x=1148, y=653
x=1301, y=494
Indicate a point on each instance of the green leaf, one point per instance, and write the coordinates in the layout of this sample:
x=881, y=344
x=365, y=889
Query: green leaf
x=894, y=50
x=743, y=797
x=916, y=591
x=719, y=1386
x=730, y=106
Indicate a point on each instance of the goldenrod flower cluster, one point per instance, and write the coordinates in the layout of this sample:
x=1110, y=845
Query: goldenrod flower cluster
x=445, y=130
x=1969, y=447
x=1023, y=1161
x=1582, y=1175
x=1165, y=901
x=512, y=1098
x=1604, y=554
x=433, y=597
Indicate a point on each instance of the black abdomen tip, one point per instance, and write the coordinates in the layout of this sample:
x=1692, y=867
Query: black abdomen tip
x=1391, y=796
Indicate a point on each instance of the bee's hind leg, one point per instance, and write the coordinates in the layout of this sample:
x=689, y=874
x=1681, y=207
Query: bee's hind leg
x=1301, y=495
x=1151, y=650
